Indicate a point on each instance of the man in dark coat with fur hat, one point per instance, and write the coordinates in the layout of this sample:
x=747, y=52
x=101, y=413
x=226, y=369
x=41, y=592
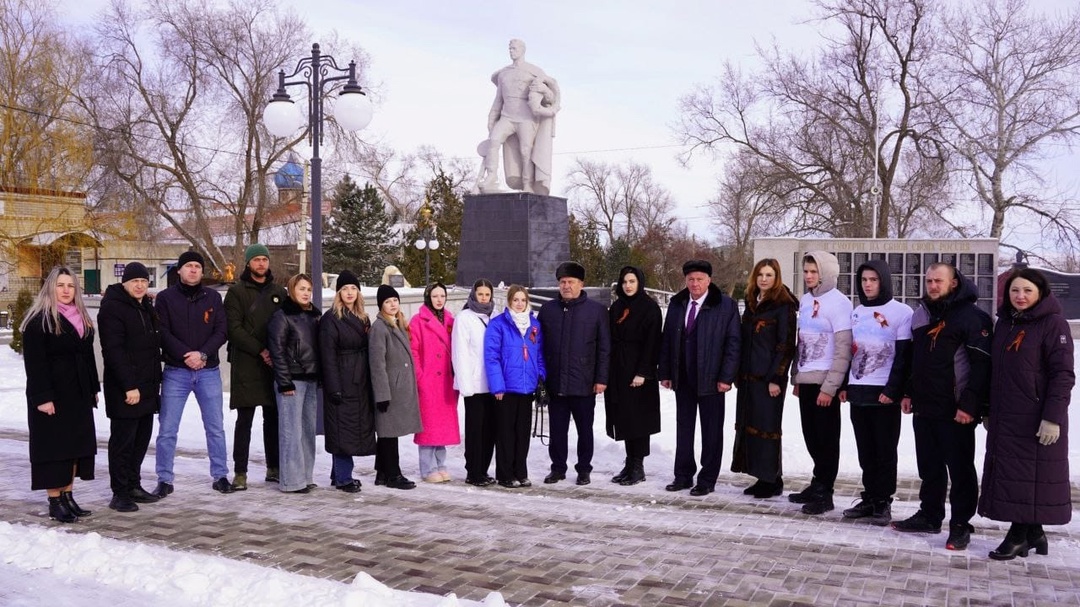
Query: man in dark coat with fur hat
x=699, y=359
x=577, y=350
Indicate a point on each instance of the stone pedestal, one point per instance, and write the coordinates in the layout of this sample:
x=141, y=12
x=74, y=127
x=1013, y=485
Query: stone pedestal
x=514, y=238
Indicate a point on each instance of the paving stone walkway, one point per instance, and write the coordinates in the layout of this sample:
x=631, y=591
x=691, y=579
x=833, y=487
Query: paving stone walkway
x=568, y=545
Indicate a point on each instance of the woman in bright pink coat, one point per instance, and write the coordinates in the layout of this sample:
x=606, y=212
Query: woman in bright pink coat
x=429, y=334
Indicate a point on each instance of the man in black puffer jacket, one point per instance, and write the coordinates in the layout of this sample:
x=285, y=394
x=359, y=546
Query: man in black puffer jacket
x=947, y=390
x=577, y=348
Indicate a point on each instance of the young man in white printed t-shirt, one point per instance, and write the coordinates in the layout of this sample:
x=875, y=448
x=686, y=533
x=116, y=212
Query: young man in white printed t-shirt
x=881, y=353
x=823, y=354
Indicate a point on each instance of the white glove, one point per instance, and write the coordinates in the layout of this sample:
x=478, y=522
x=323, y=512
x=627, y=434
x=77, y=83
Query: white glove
x=1048, y=433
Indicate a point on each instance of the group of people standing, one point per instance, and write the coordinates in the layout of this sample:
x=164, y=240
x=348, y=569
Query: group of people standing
x=934, y=362
x=386, y=377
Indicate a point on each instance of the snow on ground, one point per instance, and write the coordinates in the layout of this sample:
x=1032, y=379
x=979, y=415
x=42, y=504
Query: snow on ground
x=92, y=567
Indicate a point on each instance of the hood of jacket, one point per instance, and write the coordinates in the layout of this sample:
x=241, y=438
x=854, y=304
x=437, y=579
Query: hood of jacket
x=115, y=292
x=881, y=268
x=828, y=271
x=965, y=292
x=1046, y=306
x=641, y=283
x=246, y=277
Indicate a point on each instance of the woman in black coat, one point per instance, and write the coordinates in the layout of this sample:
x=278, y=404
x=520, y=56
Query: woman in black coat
x=632, y=398
x=1026, y=471
x=349, y=412
x=61, y=392
x=768, y=345
x=131, y=347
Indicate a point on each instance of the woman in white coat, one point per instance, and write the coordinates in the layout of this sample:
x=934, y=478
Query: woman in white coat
x=467, y=351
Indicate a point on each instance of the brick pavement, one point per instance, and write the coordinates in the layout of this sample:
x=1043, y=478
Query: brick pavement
x=567, y=545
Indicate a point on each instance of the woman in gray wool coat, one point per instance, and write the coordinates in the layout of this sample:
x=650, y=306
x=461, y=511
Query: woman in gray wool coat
x=394, y=381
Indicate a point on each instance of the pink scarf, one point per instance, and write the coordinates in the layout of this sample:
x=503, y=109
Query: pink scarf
x=71, y=312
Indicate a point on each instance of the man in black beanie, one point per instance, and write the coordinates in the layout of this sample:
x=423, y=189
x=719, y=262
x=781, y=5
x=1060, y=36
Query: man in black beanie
x=192, y=331
x=577, y=347
x=249, y=304
x=699, y=358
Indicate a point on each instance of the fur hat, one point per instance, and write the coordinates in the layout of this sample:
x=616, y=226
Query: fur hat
x=570, y=269
x=135, y=270
x=697, y=265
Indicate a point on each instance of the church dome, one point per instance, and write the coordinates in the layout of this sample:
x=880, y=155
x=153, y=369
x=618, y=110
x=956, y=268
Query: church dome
x=290, y=176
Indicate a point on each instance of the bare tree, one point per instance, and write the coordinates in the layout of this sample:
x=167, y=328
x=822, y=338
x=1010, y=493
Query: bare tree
x=42, y=141
x=1007, y=82
x=624, y=201
x=832, y=127
x=178, y=107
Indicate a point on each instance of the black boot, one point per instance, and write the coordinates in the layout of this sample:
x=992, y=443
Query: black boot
x=122, y=502
x=621, y=476
x=1014, y=545
x=766, y=490
x=58, y=511
x=1036, y=538
x=636, y=473
x=69, y=501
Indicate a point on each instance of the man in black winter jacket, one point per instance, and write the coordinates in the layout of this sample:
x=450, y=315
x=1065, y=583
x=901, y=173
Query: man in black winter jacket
x=699, y=359
x=946, y=390
x=577, y=351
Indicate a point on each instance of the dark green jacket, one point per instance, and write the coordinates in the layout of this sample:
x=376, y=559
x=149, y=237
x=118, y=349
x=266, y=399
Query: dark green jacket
x=248, y=310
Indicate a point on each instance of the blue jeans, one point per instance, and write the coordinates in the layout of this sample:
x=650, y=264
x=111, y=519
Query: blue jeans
x=341, y=471
x=176, y=385
x=296, y=435
x=432, y=459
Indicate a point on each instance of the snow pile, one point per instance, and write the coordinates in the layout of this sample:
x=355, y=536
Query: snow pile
x=117, y=572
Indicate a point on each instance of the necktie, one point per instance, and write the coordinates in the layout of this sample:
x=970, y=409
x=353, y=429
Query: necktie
x=692, y=317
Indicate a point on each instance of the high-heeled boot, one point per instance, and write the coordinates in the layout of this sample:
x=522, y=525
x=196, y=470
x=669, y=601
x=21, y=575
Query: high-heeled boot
x=58, y=511
x=1015, y=544
x=69, y=501
x=1036, y=538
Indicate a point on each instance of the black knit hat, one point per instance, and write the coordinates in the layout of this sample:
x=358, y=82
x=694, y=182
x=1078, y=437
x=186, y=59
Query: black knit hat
x=135, y=270
x=346, y=278
x=189, y=256
x=697, y=265
x=570, y=269
x=385, y=292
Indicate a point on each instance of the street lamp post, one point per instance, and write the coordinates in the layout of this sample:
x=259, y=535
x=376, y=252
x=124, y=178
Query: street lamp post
x=427, y=242
x=352, y=111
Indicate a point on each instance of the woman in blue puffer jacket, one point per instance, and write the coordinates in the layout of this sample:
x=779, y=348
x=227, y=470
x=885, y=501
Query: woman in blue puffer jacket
x=514, y=362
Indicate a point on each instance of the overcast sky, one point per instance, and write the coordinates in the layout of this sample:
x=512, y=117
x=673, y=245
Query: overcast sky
x=621, y=65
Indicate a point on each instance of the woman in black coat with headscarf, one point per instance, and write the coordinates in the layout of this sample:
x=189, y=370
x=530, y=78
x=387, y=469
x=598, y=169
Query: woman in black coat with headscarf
x=131, y=347
x=349, y=414
x=1026, y=470
x=632, y=398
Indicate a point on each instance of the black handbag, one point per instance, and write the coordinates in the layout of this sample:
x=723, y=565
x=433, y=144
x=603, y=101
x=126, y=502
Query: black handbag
x=540, y=403
x=540, y=395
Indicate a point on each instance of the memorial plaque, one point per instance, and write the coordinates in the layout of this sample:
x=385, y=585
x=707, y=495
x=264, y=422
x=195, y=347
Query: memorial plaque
x=929, y=259
x=860, y=259
x=986, y=306
x=1060, y=289
x=912, y=264
x=913, y=286
x=949, y=258
x=898, y=286
x=843, y=283
x=896, y=263
x=967, y=264
x=986, y=286
x=845, y=263
x=876, y=255
x=986, y=264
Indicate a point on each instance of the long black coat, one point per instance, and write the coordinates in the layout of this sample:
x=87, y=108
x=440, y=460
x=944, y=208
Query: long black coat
x=131, y=346
x=1023, y=481
x=60, y=369
x=635, y=349
x=349, y=409
x=248, y=308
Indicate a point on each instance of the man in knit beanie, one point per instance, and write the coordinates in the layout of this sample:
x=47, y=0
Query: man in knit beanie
x=249, y=304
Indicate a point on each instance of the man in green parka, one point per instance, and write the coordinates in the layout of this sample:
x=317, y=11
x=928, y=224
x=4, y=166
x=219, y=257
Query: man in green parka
x=249, y=304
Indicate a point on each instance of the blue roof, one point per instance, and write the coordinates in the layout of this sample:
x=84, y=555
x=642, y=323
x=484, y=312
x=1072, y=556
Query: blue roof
x=290, y=176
